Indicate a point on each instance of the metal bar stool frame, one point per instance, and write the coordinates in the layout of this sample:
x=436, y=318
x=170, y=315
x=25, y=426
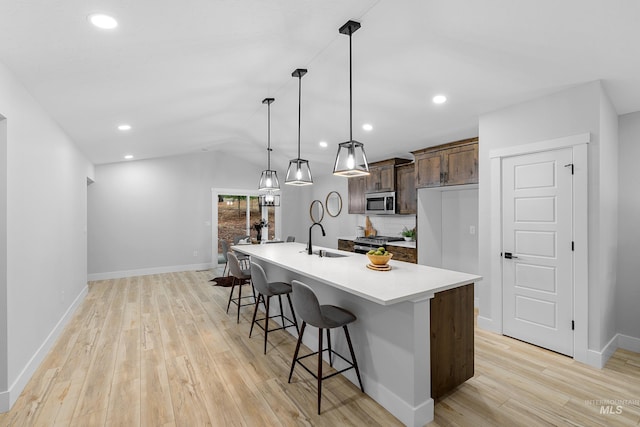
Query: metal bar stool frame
x=240, y=278
x=299, y=304
x=270, y=289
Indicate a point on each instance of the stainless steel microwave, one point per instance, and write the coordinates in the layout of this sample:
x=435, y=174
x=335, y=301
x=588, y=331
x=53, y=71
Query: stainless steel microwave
x=380, y=203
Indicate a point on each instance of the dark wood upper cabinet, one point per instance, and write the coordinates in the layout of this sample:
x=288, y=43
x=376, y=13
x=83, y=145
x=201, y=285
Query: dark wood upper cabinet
x=455, y=163
x=428, y=170
x=380, y=178
x=461, y=164
x=382, y=175
x=406, y=202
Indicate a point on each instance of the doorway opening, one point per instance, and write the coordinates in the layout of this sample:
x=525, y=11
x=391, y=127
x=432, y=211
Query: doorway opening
x=577, y=242
x=238, y=214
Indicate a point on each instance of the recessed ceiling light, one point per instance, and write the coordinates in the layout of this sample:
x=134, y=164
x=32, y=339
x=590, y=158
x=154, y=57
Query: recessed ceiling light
x=103, y=21
x=367, y=127
x=124, y=127
x=128, y=156
x=439, y=99
x=323, y=144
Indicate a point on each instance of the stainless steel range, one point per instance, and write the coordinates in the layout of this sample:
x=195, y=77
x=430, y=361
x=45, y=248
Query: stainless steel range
x=362, y=245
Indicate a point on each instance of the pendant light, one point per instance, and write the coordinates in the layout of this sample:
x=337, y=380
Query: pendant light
x=269, y=199
x=350, y=160
x=299, y=172
x=269, y=178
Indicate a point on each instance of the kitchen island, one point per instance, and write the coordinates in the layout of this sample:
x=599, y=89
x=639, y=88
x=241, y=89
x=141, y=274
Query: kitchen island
x=414, y=331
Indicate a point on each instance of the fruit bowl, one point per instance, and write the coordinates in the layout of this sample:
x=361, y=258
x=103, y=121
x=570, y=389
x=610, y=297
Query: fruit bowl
x=379, y=259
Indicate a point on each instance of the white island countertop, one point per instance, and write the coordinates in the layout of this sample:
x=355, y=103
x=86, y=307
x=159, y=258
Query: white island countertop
x=404, y=282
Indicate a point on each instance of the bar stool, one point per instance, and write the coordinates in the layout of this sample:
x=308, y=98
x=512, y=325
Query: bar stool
x=269, y=289
x=240, y=277
x=323, y=317
x=225, y=250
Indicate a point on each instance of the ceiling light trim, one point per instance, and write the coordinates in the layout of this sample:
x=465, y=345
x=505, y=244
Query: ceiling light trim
x=103, y=21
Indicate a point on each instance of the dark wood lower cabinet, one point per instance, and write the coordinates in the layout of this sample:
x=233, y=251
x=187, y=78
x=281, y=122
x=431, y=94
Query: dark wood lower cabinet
x=400, y=253
x=345, y=245
x=452, y=351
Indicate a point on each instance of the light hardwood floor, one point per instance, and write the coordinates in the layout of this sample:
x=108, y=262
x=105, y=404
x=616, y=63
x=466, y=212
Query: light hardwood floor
x=160, y=350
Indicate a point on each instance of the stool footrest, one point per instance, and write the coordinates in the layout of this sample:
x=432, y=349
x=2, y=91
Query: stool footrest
x=236, y=302
x=290, y=325
x=351, y=364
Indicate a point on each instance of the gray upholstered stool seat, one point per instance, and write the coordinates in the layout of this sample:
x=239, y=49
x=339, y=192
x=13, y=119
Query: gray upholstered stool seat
x=326, y=317
x=335, y=317
x=266, y=290
x=240, y=277
x=278, y=288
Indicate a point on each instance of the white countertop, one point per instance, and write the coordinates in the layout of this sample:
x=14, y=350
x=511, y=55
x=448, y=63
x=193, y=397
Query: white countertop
x=404, y=282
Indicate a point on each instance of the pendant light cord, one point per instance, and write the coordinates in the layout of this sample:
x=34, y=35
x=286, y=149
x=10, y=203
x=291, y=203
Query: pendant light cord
x=299, y=110
x=269, y=136
x=350, y=92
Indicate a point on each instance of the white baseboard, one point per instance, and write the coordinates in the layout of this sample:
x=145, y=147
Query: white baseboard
x=487, y=324
x=8, y=398
x=598, y=359
x=629, y=343
x=409, y=415
x=146, y=271
x=4, y=401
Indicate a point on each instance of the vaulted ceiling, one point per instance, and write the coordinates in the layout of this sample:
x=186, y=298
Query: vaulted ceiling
x=189, y=76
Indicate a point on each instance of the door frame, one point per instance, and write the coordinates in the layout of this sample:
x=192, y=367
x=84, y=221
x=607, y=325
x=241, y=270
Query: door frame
x=214, y=215
x=579, y=144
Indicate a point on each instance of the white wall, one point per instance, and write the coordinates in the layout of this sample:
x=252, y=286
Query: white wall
x=459, y=244
x=295, y=210
x=342, y=225
x=628, y=287
x=444, y=222
x=573, y=111
x=46, y=258
x=3, y=258
x=429, y=219
x=151, y=215
x=607, y=255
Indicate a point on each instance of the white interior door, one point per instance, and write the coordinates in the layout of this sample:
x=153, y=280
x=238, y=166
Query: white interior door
x=537, y=215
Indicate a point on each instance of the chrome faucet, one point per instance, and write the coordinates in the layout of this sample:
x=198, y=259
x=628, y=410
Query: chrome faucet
x=309, y=249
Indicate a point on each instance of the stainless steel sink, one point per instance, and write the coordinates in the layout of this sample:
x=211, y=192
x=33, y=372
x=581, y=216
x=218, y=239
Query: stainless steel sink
x=327, y=254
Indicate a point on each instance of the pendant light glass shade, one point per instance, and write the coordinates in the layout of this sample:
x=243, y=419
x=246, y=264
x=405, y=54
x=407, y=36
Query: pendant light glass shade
x=350, y=159
x=299, y=172
x=269, y=199
x=269, y=178
x=269, y=181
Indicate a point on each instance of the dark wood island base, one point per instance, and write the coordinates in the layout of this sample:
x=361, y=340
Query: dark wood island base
x=452, y=347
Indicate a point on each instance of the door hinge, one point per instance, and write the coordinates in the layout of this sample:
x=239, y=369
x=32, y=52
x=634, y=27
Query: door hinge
x=569, y=164
x=573, y=246
x=573, y=325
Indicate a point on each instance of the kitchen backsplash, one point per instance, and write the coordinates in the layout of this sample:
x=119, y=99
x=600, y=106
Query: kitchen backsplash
x=389, y=225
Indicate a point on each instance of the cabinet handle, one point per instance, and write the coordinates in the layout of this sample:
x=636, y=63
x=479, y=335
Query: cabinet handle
x=446, y=176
